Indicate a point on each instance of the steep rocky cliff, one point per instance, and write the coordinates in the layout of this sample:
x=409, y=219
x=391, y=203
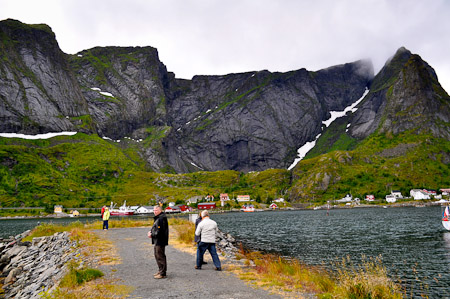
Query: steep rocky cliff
x=257, y=120
x=38, y=91
x=247, y=121
x=405, y=95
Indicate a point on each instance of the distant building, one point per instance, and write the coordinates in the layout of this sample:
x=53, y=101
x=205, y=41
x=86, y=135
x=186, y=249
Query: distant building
x=279, y=199
x=206, y=205
x=58, y=209
x=397, y=194
x=75, y=213
x=347, y=198
x=370, y=197
x=391, y=198
x=173, y=209
x=193, y=199
x=273, y=206
x=224, y=197
x=209, y=198
x=445, y=191
x=144, y=210
x=241, y=198
x=418, y=194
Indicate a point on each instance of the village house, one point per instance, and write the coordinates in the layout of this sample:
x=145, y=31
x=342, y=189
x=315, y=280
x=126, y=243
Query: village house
x=397, y=194
x=370, y=197
x=445, y=191
x=279, y=199
x=391, y=198
x=241, y=198
x=418, y=194
x=206, y=205
x=58, y=209
x=209, y=198
x=430, y=192
x=273, y=206
x=347, y=198
x=193, y=200
x=224, y=197
x=172, y=209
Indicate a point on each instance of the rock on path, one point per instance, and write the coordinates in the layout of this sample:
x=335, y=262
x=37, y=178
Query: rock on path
x=183, y=281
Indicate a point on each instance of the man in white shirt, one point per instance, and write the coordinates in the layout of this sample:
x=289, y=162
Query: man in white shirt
x=207, y=230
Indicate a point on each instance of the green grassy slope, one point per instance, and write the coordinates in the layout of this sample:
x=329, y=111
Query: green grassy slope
x=87, y=171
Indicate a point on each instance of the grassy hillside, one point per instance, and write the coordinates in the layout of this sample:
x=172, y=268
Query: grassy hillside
x=377, y=165
x=87, y=171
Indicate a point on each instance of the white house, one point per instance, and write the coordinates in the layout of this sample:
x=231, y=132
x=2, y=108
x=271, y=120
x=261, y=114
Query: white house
x=241, y=198
x=418, y=194
x=279, y=199
x=397, y=194
x=194, y=199
x=391, y=198
x=347, y=198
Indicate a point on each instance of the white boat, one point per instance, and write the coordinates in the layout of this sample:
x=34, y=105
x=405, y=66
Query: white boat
x=121, y=211
x=445, y=218
x=248, y=208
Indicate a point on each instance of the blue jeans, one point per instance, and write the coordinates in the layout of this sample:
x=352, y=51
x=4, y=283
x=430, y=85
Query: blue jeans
x=201, y=249
x=105, y=224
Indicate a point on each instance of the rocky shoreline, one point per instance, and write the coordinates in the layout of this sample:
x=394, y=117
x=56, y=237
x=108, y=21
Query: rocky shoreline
x=27, y=269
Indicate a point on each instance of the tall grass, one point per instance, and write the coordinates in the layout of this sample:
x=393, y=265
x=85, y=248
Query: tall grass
x=368, y=280
x=185, y=230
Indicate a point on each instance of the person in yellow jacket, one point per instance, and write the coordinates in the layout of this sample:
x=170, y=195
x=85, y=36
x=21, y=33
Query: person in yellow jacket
x=105, y=219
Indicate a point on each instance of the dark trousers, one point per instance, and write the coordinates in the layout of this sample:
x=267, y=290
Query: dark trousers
x=105, y=224
x=201, y=249
x=160, y=256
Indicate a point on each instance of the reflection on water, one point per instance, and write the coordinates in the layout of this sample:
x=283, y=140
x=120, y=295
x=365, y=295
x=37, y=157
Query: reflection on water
x=411, y=241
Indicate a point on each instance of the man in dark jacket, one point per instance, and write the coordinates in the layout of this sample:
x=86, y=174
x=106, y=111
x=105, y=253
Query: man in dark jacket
x=160, y=238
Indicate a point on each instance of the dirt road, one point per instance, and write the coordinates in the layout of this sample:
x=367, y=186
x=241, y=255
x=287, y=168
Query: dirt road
x=183, y=281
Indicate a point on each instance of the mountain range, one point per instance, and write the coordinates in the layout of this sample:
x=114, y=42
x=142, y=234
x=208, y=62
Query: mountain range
x=245, y=122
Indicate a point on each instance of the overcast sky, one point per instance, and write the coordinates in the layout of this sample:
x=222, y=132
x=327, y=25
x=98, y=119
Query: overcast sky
x=201, y=37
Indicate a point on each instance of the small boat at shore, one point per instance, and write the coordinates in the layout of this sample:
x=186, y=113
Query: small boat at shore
x=123, y=210
x=248, y=208
x=445, y=218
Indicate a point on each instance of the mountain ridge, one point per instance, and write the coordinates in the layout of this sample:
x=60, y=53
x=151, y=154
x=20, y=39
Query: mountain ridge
x=245, y=121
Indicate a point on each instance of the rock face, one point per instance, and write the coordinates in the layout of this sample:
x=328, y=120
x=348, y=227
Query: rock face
x=38, y=91
x=255, y=121
x=247, y=121
x=28, y=269
x=405, y=95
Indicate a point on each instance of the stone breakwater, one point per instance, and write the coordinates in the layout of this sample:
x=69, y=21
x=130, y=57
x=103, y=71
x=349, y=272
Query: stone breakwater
x=30, y=268
x=226, y=244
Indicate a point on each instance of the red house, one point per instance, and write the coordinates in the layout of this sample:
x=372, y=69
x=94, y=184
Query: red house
x=184, y=208
x=206, y=205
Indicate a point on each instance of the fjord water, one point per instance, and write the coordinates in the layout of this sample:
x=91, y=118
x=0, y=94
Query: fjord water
x=414, y=246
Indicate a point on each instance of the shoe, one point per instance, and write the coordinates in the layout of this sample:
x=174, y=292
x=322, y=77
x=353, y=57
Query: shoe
x=204, y=263
x=156, y=274
x=198, y=268
x=218, y=269
x=159, y=276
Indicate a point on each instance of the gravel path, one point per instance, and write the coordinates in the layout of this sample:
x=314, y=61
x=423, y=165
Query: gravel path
x=183, y=281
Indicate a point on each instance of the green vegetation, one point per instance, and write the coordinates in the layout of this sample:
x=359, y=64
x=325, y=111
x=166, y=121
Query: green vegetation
x=290, y=277
x=377, y=165
x=86, y=171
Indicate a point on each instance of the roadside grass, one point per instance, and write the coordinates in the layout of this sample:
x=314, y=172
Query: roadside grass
x=291, y=278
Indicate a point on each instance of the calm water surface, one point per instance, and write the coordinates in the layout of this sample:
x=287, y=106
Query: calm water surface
x=411, y=241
